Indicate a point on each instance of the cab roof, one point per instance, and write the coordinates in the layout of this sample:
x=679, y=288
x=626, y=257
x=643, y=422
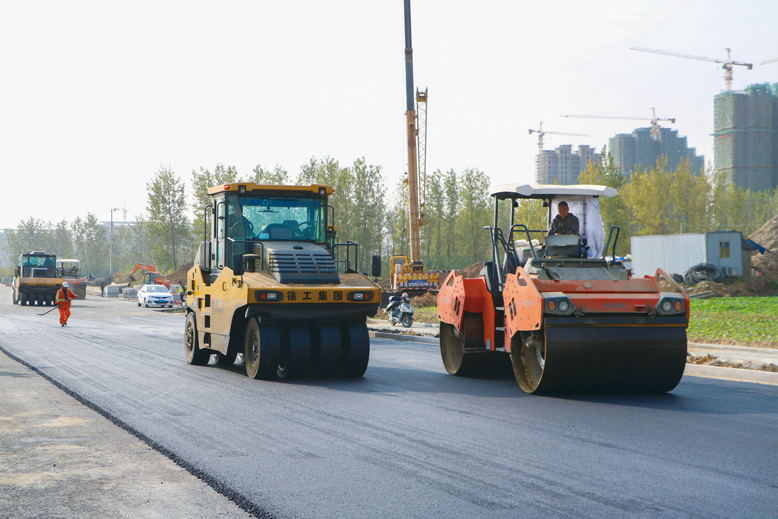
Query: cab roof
x=550, y=190
x=248, y=187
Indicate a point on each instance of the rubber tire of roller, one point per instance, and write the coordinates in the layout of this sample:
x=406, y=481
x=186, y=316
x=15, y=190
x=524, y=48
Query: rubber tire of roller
x=265, y=343
x=192, y=352
x=357, y=341
x=296, y=352
x=330, y=347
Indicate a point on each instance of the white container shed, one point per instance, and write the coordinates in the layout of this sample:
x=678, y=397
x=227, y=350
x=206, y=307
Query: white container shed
x=676, y=253
x=673, y=253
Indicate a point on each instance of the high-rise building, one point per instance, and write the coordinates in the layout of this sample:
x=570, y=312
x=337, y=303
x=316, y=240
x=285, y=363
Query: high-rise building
x=746, y=136
x=641, y=149
x=563, y=165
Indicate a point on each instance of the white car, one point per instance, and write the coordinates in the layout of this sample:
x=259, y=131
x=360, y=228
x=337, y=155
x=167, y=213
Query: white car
x=155, y=295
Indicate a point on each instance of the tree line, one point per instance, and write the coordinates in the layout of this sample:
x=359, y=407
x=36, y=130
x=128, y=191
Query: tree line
x=456, y=207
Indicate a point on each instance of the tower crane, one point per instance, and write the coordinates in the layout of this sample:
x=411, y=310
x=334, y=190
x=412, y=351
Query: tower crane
x=408, y=272
x=541, y=133
x=654, y=120
x=767, y=61
x=727, y=64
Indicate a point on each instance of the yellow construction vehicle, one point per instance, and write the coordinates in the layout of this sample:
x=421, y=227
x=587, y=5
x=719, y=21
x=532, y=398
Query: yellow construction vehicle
x=36, y=280
x=407, y=272
x=410, y=276
x=270, y=282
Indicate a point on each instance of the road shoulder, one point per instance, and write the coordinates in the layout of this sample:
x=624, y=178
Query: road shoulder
x=58, y=458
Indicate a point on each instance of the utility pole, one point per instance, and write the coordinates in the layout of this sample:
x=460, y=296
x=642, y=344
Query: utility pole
x=110, y=245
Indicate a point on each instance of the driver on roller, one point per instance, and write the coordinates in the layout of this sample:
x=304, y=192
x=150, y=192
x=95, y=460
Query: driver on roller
x=240, y=226
x=565, y=222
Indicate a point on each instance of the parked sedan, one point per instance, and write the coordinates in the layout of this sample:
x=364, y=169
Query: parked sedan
x=155, y=295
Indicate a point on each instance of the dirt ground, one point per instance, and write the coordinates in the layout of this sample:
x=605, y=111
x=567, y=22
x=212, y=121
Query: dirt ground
x=767, y=236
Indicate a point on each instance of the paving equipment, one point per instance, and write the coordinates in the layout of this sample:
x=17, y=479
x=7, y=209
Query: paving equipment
x=561, y=314
x=36, y=280
x=150, y=275
x=266, y=283
x=70, y=270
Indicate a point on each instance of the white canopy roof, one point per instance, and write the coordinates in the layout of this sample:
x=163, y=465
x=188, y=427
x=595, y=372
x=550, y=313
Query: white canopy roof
x=551, y=190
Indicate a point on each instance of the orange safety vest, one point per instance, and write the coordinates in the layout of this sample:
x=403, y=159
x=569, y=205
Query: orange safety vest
x=64, y=295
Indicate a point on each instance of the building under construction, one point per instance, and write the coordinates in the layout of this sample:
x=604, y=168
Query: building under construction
x=642, y=149
x=746, y=136
x=563, y=165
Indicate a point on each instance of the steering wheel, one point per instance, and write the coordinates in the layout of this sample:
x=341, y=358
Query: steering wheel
x=308, y=227
x=247, y=226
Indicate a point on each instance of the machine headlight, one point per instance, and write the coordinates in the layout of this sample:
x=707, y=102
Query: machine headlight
x=556, y=303
x=268, y=295
x=670, y=305
x=360, y=296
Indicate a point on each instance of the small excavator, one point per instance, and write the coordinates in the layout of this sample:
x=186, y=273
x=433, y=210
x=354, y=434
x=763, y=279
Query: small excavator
x=565, y=315
x=150, y=275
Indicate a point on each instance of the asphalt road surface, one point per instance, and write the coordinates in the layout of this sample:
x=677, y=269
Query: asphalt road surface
x=408, y=440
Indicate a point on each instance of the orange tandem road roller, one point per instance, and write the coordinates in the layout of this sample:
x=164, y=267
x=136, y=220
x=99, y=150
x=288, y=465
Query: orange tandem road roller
x=563, y=312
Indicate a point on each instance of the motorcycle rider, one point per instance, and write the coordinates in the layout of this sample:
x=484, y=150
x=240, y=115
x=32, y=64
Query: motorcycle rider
x=395, y=301
x=395, y=310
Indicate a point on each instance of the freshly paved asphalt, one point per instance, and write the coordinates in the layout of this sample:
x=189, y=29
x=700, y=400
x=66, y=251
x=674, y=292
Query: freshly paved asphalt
x=408, y=440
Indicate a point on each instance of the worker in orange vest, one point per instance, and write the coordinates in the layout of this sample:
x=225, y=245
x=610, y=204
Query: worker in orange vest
x=64, y=295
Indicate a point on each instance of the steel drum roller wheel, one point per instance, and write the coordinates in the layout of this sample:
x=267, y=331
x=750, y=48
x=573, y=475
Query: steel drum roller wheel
x=358, y=350
x=192, y=352
x=296, y=352
x=262, y=348
x=528, y=357
x=645, y=359
x=458, y=361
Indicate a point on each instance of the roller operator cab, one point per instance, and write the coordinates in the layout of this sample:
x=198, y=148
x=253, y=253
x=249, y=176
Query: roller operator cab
x=70, y=270
x=558, y=310
x=36, y=279
x=271, y=282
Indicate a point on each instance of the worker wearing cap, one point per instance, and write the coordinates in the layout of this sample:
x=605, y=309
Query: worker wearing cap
x=64, y=295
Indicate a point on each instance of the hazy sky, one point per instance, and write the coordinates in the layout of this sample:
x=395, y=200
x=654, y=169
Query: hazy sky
x=95, y=96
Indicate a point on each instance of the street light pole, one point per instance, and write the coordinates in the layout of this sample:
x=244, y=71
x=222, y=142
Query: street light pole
x=110, y=245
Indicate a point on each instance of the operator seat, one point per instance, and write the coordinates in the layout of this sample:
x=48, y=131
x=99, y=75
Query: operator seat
x=279, y=231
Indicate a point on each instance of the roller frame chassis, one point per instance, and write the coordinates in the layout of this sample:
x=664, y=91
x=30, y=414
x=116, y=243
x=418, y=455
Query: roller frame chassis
x=230, y=308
